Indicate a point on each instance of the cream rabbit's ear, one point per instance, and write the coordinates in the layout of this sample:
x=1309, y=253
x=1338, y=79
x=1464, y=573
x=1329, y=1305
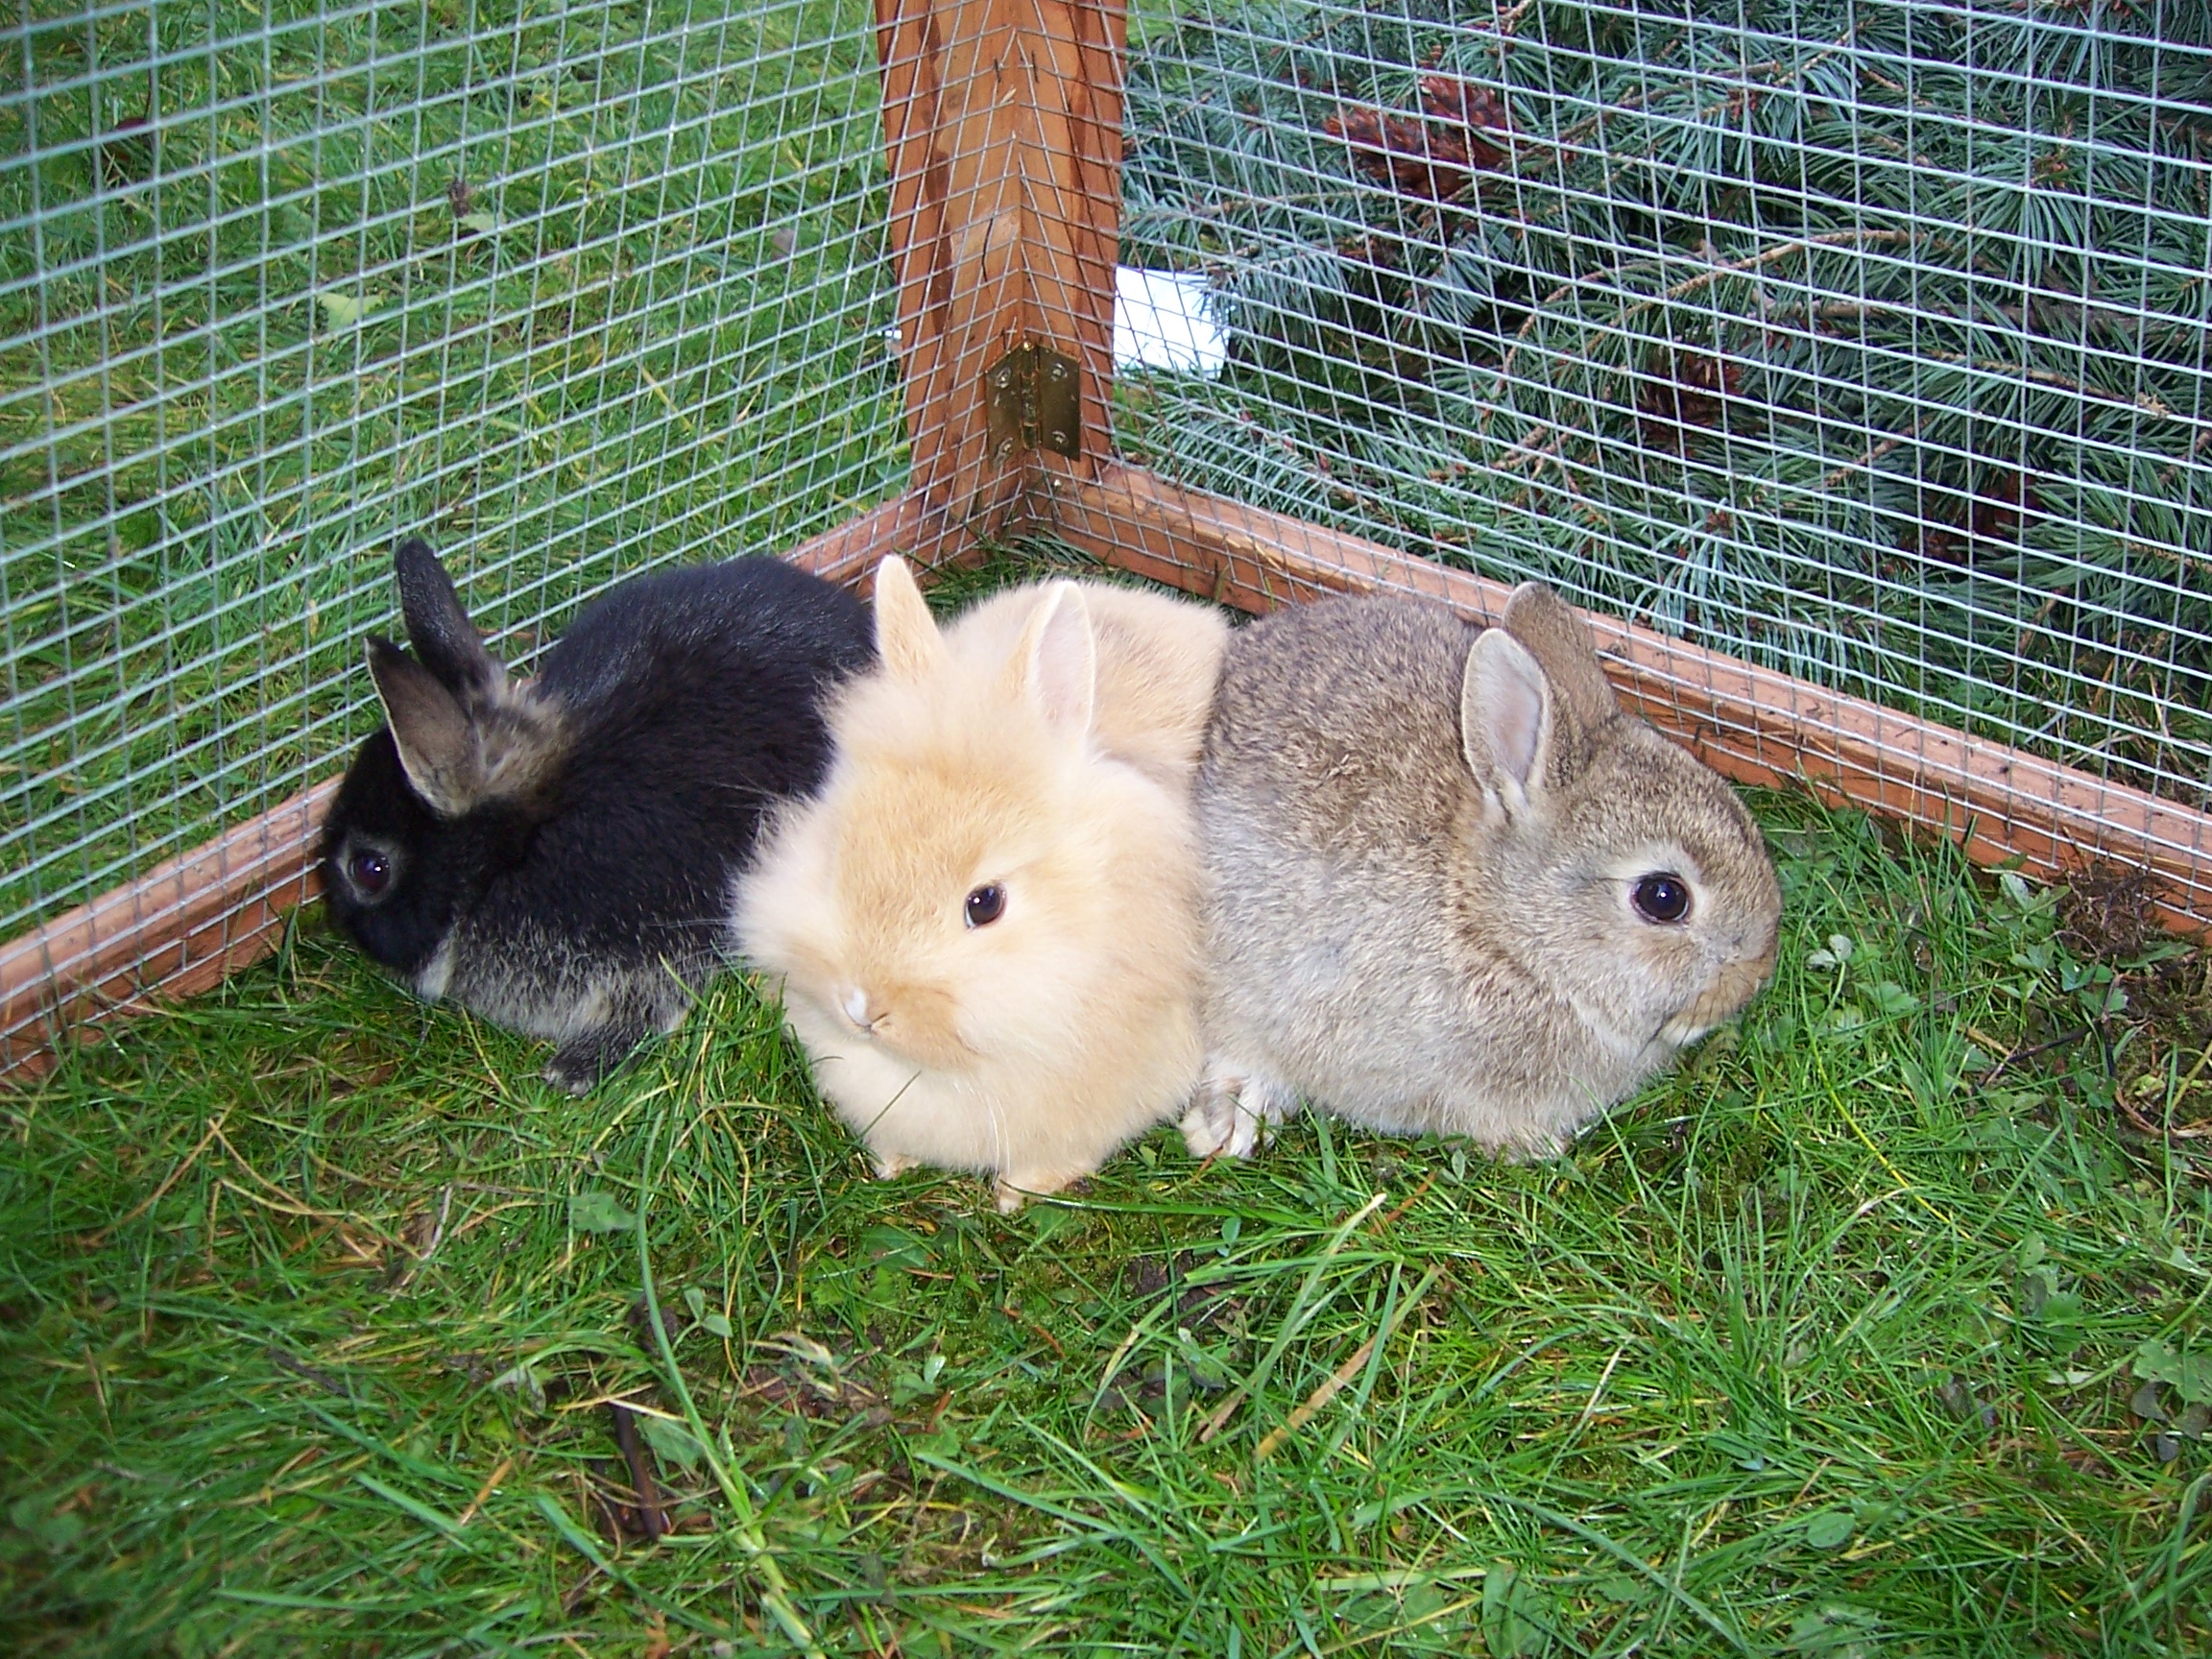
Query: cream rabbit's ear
x=906, y=636
x=1055, y=664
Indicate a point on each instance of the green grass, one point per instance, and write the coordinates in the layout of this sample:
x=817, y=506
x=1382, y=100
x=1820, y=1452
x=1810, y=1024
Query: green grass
x=1836, y=1342
x=1878, y=1328
x=570, y=291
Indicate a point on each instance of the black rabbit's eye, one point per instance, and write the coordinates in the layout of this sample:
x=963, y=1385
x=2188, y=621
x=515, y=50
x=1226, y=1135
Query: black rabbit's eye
x=1663, y=897
x=986, y=905
x=371, y=872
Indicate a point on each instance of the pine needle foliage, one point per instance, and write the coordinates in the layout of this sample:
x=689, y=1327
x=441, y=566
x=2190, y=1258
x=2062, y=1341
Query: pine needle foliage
x=1868, y=340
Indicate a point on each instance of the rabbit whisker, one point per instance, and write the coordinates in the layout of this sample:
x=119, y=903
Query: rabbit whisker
x=869, y=1129
x=750, y=791
x=681, y=923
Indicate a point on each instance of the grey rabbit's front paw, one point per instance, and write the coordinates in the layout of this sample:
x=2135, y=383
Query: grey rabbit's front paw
x=1234, y=1111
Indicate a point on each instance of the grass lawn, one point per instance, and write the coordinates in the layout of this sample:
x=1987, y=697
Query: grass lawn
x=326, y=1327
x=1878, y=1328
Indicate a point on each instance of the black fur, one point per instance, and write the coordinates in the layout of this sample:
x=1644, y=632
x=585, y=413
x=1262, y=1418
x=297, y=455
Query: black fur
x=584, y=902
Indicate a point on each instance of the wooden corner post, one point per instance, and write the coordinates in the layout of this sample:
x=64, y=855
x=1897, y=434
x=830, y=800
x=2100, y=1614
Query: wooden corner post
x=1002, y=131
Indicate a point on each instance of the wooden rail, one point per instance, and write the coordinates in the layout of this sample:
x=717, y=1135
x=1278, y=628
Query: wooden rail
x=174, y=931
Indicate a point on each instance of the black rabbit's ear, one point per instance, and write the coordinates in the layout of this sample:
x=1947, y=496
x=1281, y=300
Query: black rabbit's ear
x=460, y=755
x=438, y=628
x=436, y=742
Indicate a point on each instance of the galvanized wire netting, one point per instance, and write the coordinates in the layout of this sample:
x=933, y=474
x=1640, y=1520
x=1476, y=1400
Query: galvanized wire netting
x=569, y=289
x=1870, y=340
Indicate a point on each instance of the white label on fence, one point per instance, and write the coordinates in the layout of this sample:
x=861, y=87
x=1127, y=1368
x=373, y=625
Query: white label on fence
x=1165, y=320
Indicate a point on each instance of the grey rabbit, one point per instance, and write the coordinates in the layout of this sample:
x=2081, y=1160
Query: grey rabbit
x=1451, y=886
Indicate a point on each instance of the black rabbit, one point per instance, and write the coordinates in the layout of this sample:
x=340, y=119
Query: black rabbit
x=557, y=854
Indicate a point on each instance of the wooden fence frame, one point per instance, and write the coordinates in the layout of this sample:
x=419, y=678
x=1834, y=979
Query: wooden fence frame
x=1002, y=131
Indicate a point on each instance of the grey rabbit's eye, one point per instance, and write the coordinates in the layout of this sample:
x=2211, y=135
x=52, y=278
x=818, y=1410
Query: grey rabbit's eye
x=1661, y=897
x=369, y=872
x=986, y=905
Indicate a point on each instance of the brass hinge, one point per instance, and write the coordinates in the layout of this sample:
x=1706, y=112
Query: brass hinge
x=1032, y=397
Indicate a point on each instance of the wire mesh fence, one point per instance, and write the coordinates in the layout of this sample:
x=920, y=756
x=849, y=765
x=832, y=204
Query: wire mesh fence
x=570, y=289
x=1866, y=340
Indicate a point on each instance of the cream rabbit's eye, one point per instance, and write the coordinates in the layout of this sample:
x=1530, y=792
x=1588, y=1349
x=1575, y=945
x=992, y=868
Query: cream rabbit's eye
x=1661, y=897
x=986, y=905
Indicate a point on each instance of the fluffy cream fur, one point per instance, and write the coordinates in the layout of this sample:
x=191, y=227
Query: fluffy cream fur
x=1159, y=660
x=1029, y=1048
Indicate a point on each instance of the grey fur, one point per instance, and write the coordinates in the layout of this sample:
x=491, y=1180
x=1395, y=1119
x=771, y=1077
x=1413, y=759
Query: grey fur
x=537, y=981
x=1421, y=919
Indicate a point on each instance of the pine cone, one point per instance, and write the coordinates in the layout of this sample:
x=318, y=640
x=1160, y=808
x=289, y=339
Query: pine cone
x=1952, y=530
x=2003, y=503
x=1682, y=389
x=1433, y=155
x=1476, y=109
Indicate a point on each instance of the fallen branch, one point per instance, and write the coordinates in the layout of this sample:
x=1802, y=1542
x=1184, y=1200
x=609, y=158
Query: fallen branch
x=641, y=1469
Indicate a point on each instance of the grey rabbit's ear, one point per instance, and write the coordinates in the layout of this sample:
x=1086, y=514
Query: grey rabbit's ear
x=459, y=755
x=1534, y=699
x=444, y=638
x=1506, y=720
x=1558, y=638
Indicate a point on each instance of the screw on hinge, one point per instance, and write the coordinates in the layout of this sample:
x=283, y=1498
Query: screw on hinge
x=1034, y=396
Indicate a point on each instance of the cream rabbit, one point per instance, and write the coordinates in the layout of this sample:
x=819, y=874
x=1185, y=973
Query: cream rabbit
x=985, y=924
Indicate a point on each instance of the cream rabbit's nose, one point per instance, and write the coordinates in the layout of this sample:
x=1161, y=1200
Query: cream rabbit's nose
x=860, y=1010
